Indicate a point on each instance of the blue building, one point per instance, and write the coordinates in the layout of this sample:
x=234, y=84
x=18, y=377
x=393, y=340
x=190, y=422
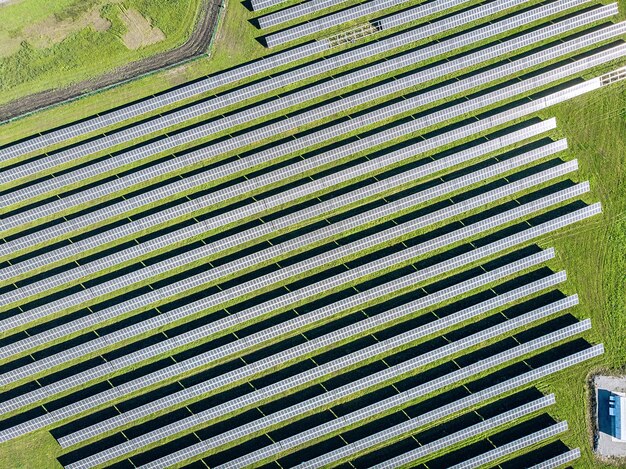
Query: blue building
x=617, y=413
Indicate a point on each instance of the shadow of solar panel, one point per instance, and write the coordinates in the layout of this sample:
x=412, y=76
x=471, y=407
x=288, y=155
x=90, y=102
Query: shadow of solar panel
x=415, y=351
x=352, y=346
x=308, y=453
x=333, y=325
x=446, y=428
x=134, y=347
x=488, y=186
x=469, y=451
x=385, y=278
x=536, y=456
x=270, y=350
x=450, y=280
x=546, y=328
x=475, y=326
x=284, y=373
x=425, y=376
x=405, y=326
x=251, y=445
x=85, y=451
x=348, y=377
x=212, y=372
x=195, y=465
x=219, y=398
x=125, y=406
x=259, y=298
x=557, y=352
x=386, y=452
x=486, y=352
x=292, y=399
x=61, y=374
x=523, y=279
x=522, y=429
x=167, y=448
x=77, y=396
x=22, y=417
x=87, y=420
x=158, y=422
x=502, y=405
x=369, y=428
x=499, y=376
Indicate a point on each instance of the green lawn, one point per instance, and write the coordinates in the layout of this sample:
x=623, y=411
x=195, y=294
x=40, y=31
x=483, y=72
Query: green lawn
x=595, y=256
x=46, y=45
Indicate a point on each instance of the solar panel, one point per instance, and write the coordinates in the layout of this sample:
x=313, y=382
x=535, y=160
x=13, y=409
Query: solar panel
x=200, y=361
x=201, y=332
x=191, y=336
x=499, y=389
x=191, y=90
x=308, y=376
x=310, y=93
x=363, y=10
x=325, y=399
x=194, y=230
x=354, y=124
x=459, y=157
x=437, y=445
x=293, y=297
x=559, y=460
x=330, y=231
x=512, y=447
x=282, y=103
x=296, y=11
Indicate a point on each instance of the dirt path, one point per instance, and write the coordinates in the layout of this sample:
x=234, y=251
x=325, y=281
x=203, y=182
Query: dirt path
x=197, y=45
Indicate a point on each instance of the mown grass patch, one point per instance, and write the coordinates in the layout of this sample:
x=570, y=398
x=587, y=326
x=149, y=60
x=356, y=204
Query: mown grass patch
x=595, y=254
x=48, y=45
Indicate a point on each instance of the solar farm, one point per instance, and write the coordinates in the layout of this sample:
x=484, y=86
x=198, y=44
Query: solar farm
x=337, y=255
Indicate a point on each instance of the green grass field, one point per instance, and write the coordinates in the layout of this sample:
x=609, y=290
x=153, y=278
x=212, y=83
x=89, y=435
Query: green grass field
x=48, y=45
x=594, y=254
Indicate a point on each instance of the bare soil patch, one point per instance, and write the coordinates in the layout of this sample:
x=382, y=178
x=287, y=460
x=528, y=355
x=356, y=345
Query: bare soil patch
x=51, y=31
x=140, y=32
x=9, y=45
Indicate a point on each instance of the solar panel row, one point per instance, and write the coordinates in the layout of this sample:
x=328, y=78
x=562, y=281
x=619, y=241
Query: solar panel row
x=201, y=361
x=331, y=231
x=355, y=387
x=448, y=137
x=295, y=296
x=152, y=104
x=171, y=97
x=380, y=438
x=419, y=123
x=449, y=440
x=504, y=228
x=362, y=193
x=240, y=95
x=513, y=383
x=326, y=399
x=559, y=460
x=512, y=447
x=332, y=426
x=351, y=14
x=317, y=345
x=296, y=11
x=281, y=150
